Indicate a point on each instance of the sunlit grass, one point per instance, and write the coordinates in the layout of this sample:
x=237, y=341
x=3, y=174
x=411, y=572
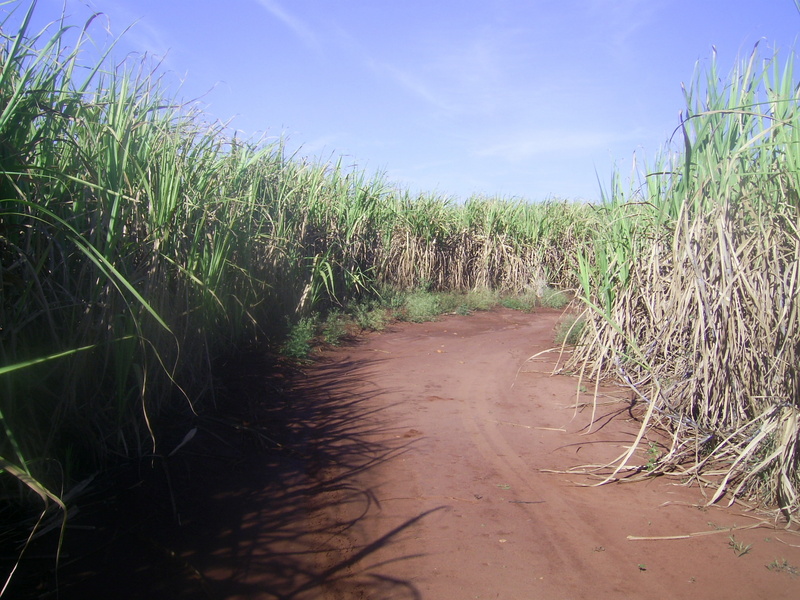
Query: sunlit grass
x=139, y=242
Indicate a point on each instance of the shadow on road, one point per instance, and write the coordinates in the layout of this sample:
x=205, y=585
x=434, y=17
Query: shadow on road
x=260, y=503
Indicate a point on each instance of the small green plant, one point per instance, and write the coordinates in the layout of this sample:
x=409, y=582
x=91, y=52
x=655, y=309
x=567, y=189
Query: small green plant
x=783, y=566
x=739, y=548
x=569, y=330
x=370, y=317
x=334, y=328
x=652, y=456
x=480, y=299
x=514, y=303
x=524, y=302
x=451, y=303
x=422, y=306
x=461, y=303
x=390, y=297
x=553, y=298
x=298, y=342
x=426, y=284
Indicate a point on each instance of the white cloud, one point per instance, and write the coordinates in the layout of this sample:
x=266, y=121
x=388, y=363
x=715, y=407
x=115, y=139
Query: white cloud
x=297, y=26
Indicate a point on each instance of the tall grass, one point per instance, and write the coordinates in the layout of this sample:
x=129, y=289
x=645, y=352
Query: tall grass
x=139, y=242
x=498, y=244
x=692, y=289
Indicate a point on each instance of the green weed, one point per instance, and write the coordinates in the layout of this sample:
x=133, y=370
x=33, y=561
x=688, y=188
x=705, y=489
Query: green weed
x=422, y=306
x=299, y=341
x=739, y=548
x=553, y=298
x=334, y=328
x=569, y=330
x=652, y=456
x=783, y=566
x=526, y=302
x=371, y=316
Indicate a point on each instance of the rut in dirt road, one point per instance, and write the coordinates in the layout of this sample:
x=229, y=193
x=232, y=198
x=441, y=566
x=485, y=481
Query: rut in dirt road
x=484, y=423
x=417, y=463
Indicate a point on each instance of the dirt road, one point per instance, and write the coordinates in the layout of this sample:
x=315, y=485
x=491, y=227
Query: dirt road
x=412, y=464
x=460, y=505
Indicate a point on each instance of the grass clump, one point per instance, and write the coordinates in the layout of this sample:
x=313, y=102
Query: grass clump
x=375, y=314
x=471, y=301
x=335, y=327
x=526, y=302
x=781, y=565
x=372, y=318
x=552, y=298
x=481, y=299
x=421, y=306
x=299, y=341
x=569, y=330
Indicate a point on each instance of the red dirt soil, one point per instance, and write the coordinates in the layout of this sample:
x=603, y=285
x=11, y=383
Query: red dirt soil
x=415, y=463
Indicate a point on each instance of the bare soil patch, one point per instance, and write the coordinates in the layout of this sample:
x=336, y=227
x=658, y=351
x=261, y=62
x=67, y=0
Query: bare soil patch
x=413, y=463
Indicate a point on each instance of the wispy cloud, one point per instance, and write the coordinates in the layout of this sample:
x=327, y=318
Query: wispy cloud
x=410, y=79
x=454, y=77
x=150, y=39
x=529, y=144
x=299, y=27
x=413, y=83
x=622, y=19
x=474, y=74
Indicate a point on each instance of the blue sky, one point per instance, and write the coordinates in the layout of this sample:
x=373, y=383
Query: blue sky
x=531, y=99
